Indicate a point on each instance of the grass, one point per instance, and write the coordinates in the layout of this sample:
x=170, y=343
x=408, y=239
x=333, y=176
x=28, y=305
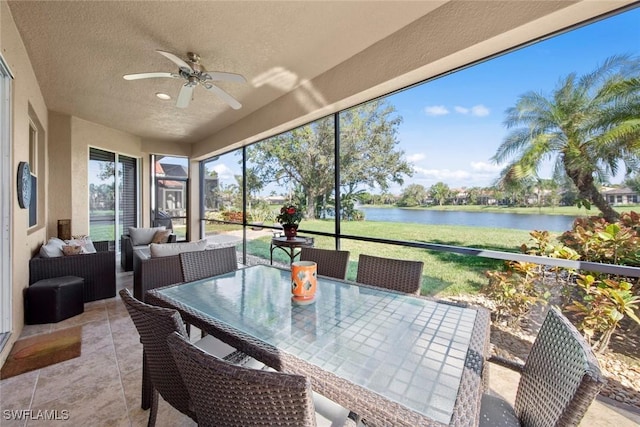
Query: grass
x=444, y=273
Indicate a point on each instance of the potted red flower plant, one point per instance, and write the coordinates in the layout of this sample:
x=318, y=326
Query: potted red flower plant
x=290, y=216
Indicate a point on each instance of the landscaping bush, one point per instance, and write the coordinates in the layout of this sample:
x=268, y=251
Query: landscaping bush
x=599, y=300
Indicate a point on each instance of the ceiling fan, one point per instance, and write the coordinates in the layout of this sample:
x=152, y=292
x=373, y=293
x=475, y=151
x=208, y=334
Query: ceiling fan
x=195, y=74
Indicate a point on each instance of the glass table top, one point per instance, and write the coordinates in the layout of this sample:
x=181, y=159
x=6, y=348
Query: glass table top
x=410, y=350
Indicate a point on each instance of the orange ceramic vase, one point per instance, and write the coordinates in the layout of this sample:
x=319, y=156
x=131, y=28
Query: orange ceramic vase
x=304, y=280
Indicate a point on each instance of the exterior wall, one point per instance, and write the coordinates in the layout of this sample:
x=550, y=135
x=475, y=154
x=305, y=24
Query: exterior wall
x=25, y=93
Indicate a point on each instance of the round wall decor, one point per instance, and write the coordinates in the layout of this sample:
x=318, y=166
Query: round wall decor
x=24, y=185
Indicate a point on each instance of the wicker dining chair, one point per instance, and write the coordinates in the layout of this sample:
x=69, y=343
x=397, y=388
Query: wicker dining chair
x=560, y=379
x=330, y=263
x=395, y=274
x=227, y=395
x=211, y=262
x=154, y=324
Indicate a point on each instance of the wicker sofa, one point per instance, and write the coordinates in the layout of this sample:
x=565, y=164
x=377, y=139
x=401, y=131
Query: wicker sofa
x=97, y=269
x=127, y=247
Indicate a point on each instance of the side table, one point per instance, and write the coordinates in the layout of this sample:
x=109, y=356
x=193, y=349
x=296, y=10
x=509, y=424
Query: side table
x=289, y=246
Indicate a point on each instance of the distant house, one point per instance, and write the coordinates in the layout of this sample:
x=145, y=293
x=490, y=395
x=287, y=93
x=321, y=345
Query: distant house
x=171, y=193
x=621, y=196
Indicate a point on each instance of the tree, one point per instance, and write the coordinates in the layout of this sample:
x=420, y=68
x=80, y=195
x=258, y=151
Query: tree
x=305, y=156
x=633, y=182
x=440, y=192
x=588, y=126
x=413, y=195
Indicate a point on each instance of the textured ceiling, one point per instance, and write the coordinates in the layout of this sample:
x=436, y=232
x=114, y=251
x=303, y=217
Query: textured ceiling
x=81, y=49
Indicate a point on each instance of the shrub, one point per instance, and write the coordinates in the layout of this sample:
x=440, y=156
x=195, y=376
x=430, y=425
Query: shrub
x=603, y=305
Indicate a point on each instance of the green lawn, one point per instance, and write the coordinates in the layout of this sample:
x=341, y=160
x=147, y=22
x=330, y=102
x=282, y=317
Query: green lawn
x=445, y=273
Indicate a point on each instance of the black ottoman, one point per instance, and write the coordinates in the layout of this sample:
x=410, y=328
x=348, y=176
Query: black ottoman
x=53, y=300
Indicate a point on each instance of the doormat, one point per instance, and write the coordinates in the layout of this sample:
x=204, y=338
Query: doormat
x=43, y=350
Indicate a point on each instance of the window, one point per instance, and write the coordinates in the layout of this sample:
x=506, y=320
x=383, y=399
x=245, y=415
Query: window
x=36, y=164
x=171, y=195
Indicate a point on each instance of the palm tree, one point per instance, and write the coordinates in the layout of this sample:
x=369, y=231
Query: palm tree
x=588, y=127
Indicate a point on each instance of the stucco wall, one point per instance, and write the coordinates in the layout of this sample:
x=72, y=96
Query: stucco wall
x=25, y=92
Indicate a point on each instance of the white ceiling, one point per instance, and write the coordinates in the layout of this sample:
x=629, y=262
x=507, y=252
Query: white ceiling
x=81, y=49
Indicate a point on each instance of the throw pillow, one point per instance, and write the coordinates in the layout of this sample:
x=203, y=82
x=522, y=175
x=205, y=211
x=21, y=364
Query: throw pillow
x=143, y=236
x=71, y=250
x=169, y=249
x=84, y=242
x=161, y=236
x=52, y=249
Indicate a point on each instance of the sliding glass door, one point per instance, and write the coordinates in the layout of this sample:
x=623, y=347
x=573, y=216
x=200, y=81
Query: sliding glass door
x=113, y=194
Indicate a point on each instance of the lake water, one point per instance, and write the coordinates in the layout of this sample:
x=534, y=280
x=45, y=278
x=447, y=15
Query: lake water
x=474, y=219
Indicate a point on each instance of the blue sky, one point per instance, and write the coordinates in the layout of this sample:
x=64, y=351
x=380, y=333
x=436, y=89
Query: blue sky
x=453, y=125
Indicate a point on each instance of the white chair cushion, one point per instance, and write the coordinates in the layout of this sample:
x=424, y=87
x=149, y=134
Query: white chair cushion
x=158, y=250
x=214, y=346
x=142, y=235
x=328, y=412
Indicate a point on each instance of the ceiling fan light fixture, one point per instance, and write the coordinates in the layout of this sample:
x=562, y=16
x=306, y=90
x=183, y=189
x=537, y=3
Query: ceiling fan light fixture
x=163, y=96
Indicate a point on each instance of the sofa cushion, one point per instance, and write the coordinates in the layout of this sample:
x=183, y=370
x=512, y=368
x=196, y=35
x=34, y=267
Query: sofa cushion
x=143, y=236
x=84, y=242
x=53, y=248
x=71, y=250
x=161, y=236
x=168, y=249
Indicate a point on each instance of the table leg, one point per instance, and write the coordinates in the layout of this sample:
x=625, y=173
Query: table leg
x=271, y=248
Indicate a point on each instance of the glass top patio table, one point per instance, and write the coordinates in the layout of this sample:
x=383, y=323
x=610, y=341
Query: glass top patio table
x=387, y=356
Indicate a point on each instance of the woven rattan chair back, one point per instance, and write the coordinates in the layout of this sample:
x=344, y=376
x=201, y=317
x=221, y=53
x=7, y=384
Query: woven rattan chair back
x=330, y=263
x=560, y=378
x=396, y=274
x=226, y=395
x=154, y=324
x=201, y=264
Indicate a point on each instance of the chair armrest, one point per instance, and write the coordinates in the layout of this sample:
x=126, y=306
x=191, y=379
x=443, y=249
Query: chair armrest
x=509, y=364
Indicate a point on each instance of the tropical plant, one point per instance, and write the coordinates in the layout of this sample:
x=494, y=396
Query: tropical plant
x=440, y=192
x=597, y=240
x=515, y=291
x=603, y=305
x=589, y=126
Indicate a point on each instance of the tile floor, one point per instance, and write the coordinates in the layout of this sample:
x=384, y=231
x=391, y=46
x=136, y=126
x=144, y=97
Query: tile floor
x=102, y=386
x=99, y=388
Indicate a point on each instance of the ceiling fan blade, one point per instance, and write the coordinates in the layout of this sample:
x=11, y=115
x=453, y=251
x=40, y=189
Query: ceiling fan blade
x=227, y=77
x=233, y=103
x=139, y=76
x=176, y=60
x=184, y=97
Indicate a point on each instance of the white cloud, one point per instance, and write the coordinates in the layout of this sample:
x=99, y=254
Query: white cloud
x=436, y=110
x=223, y=171
x=416, y=157
x=479, y=110
x=443, y=174
x=484, y=167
